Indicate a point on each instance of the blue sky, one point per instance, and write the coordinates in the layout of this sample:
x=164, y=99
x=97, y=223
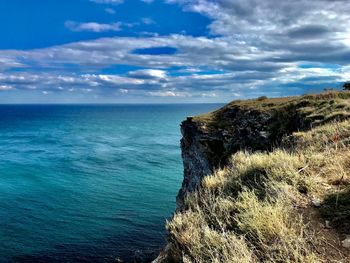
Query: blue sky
x=165, y=51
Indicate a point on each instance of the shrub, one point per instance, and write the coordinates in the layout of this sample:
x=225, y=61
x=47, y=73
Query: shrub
x=346, y=86
x=262, y=98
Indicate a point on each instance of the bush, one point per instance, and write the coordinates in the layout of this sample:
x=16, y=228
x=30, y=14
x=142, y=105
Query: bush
x=262, y=98
x=346, y=86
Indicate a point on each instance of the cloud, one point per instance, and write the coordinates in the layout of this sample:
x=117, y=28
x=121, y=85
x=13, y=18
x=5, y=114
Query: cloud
x=309, y=31
x=123, y=91
x=112, y=80
x=5, y=87
x=7, y=61
x=148, y=74
x=290, y=81
x=169, y=94
x=254, y=48
x=211, y=94
x=205, y=66
x=92, y=26
x=277, y=28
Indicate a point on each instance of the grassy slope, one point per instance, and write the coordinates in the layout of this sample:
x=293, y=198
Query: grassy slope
x=317, y=108
x=261, y=207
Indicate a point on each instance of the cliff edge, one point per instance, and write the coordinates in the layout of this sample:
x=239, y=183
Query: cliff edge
x=261, y=178
x=261, y=124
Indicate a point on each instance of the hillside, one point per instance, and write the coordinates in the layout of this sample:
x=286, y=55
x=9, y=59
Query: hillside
x=265, y=180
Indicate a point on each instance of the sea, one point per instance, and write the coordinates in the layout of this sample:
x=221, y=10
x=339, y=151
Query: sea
x=89, y=183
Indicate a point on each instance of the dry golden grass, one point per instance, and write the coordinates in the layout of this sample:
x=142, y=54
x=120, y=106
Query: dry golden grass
x=334, y=135
x=197, y=242
x=276, y=231
x=251, y=211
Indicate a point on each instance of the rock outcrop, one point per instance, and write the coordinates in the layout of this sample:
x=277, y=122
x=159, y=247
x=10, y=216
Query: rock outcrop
x=263, y=124
x=253, y=125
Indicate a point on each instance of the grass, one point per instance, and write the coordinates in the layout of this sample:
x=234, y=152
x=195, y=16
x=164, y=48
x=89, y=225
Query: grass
x=199, y=243
x=312, y=110
x=255, y=209
x=273, y=229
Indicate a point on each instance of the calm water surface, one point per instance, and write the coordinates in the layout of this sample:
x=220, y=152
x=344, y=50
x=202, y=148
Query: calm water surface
x=88, y=183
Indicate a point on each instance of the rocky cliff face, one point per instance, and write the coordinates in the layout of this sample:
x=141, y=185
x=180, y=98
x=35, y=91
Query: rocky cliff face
x=252, y=125
x=206, y=145
x=204, y=149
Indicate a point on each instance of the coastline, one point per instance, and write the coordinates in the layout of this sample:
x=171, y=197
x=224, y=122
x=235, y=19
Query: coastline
x=261, y=125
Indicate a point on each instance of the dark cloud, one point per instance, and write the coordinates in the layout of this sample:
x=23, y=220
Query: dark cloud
x=309, y=31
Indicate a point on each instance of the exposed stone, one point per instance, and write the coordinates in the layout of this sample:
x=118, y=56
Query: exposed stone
x=264, y=134
x=346, y=242
x=316, y=202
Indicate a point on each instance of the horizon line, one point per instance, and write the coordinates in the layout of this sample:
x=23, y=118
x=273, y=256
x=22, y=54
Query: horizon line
x=103, y=103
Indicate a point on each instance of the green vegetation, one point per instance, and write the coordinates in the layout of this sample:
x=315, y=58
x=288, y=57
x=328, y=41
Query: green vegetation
x=291, y=204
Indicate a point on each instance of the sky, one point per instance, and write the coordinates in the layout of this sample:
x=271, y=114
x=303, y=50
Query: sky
x=170, y=51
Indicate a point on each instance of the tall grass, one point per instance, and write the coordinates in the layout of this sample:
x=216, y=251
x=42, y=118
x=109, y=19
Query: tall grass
x=253, y=210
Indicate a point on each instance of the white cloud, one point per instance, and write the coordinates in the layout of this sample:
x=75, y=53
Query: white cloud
x=148, y=74
x=92, y=26
x=169, y=94
x=115, y=80
x=5, y=87
x=9, y=62
x=211, y=94
x=255, y=47
x=218, y=86
x=124, y=91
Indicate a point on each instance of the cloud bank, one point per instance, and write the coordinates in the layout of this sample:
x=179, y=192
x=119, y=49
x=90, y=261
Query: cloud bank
x=252, y=48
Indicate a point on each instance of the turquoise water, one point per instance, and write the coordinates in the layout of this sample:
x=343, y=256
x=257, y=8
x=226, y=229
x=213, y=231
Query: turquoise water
x=88, y=183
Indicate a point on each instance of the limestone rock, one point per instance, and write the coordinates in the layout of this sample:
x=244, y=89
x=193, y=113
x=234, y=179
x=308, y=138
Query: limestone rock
x=346, y=242
x=316, y=202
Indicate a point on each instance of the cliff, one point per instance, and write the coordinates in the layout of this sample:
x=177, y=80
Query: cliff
x=209, y=140
x=263, y=154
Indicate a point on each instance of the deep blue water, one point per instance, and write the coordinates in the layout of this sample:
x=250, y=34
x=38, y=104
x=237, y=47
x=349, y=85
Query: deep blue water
x=88, y=183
